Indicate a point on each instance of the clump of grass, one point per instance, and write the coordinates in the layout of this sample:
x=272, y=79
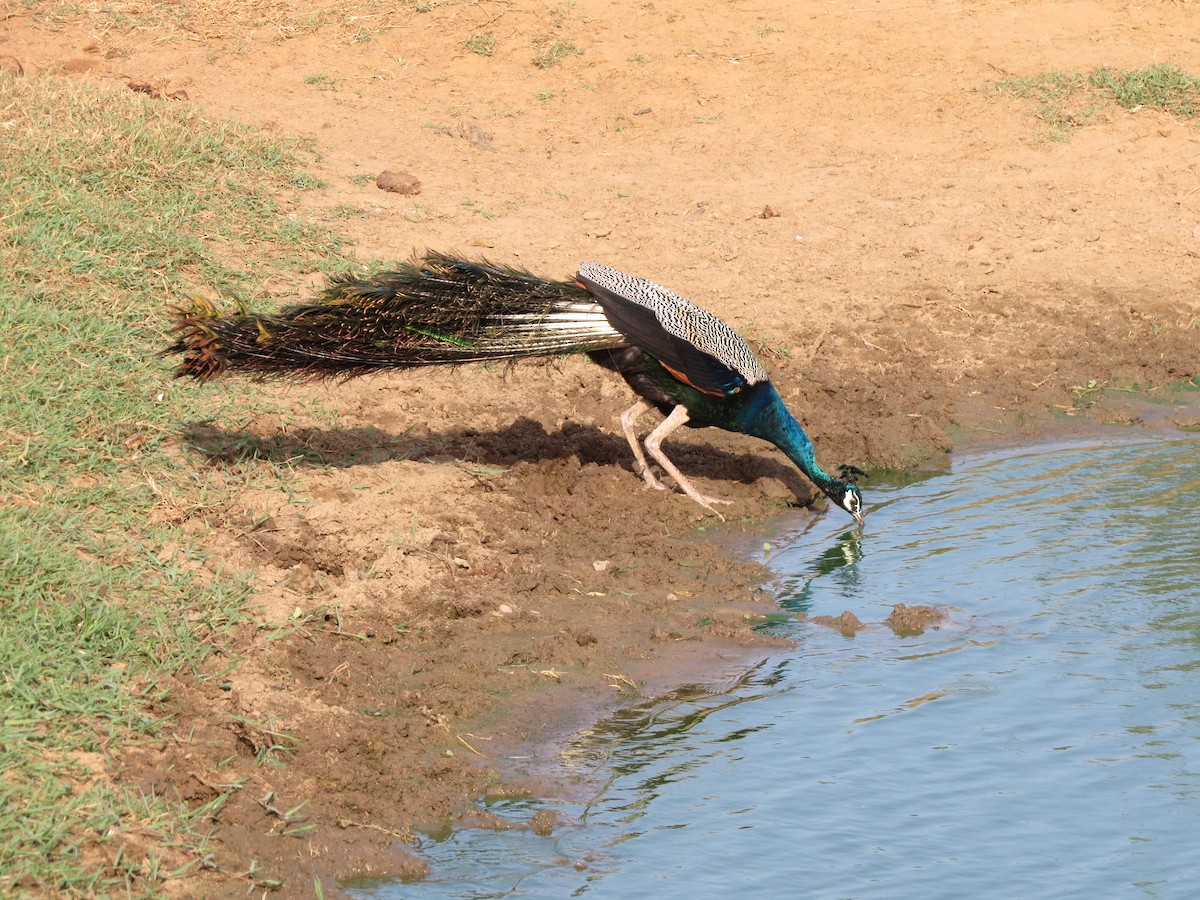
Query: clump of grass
x=1067, y=101
x=555, y=52
x=1048, y=87
x=321, y=82
x=344, y=211
x=112, y=205
x=1087, y=394
x=482, y=44
x=1164, y=87
x=1183, y=323
x=560, y=13
x=1056, y=94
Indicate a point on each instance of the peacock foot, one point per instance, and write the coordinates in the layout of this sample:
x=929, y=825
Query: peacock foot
x=652, y=480
x=703, y=499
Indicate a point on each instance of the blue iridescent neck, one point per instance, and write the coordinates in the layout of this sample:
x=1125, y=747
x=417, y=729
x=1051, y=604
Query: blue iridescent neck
x=770, y=420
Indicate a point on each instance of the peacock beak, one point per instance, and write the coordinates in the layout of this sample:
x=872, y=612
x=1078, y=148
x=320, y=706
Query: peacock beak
x=861, y=518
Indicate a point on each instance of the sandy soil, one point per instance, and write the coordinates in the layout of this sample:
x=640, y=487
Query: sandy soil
x=470, y=569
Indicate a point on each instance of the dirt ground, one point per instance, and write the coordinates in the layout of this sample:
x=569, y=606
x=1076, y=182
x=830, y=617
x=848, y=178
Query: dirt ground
x=469, y=569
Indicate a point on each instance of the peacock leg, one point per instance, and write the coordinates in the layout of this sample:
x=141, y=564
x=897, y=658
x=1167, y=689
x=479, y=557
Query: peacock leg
x=678, y=418
x=627, y=419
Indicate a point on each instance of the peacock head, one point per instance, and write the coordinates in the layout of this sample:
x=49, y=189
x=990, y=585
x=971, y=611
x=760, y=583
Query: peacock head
x=849, y=498
x=845, y=493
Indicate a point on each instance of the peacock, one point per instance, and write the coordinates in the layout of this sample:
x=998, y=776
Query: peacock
x=440, y=309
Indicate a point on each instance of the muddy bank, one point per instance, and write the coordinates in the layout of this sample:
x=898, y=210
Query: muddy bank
x=412, y=655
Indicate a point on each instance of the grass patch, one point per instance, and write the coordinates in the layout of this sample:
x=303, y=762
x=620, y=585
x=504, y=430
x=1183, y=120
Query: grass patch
x=321, y=82
x=555, y=52
x=1063, y=102
x=1163, y=87
x=1068, y=101
x=112, y=205
x=481, y=44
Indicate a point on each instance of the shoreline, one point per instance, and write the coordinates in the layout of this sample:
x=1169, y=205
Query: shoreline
x=735, y=658
x=510, y=740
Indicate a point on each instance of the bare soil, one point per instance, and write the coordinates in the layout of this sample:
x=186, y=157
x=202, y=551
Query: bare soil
x=466, y=568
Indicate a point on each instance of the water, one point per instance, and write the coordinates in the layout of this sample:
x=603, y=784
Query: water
x=1045, y=742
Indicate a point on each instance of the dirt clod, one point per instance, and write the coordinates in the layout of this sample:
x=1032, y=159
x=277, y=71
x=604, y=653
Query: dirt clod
x=847, y=623
x=913, y=620
x=155, y=91
x=398, y=182
x=544, y=822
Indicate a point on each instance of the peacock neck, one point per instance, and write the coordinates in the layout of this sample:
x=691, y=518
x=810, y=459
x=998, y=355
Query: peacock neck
x=772, y=421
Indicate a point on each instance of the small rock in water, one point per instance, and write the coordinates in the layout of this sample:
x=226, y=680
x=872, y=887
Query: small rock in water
x=544, y=822
x=912, y=620
x=847, y=623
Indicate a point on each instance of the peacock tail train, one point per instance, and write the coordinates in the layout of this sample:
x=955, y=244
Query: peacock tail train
x=433, y=311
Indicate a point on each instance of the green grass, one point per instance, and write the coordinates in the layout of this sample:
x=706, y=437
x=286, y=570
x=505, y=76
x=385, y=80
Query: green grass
x=1162, y=87
x=1063, y=102
x=554, y=52
x=1067, y=101
x=112, y=206
x=481, y=44
x=321, y=82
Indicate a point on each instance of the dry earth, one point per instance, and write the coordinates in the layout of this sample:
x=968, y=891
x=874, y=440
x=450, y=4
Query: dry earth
x=468, y=566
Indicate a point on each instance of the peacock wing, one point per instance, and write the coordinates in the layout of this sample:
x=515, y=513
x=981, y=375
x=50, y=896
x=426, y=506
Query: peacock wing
x=693, y=344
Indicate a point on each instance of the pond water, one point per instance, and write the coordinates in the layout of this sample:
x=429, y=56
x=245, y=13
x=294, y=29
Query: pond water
x=1044, y=741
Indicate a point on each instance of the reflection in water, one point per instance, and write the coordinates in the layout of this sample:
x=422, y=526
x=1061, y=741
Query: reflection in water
x=1045, y=741
x=662, y=721
x=838, y=561
x=665, y=746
